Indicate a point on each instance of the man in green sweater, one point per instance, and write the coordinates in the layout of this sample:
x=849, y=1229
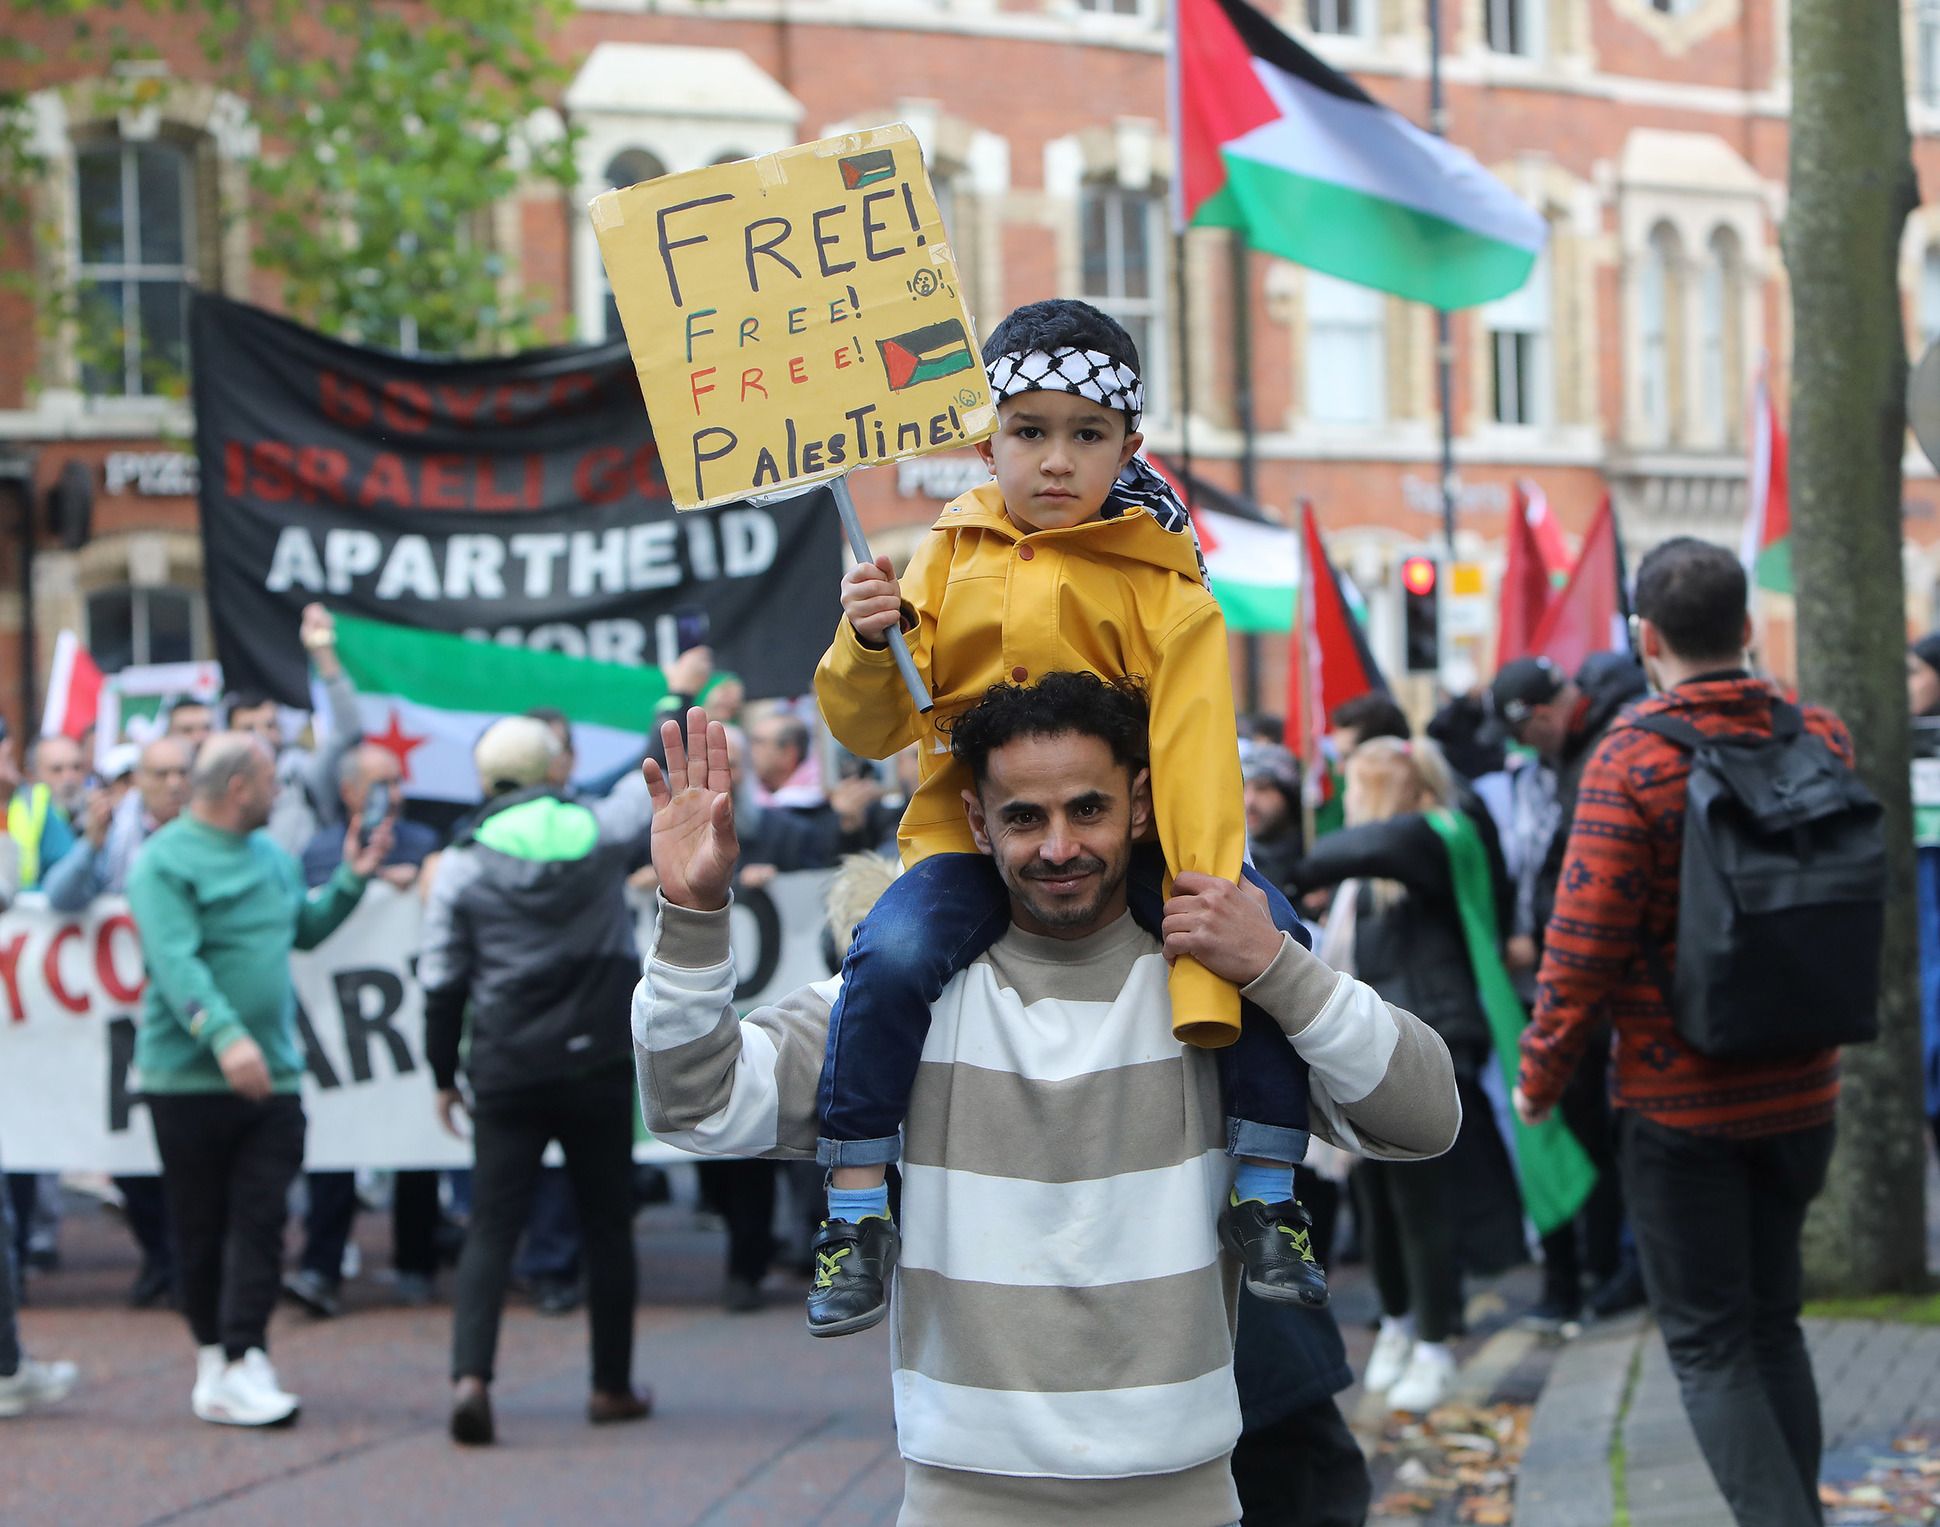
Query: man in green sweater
x=220, y=907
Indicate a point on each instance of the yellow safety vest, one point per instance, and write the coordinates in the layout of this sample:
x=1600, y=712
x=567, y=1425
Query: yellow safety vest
x=26, y=824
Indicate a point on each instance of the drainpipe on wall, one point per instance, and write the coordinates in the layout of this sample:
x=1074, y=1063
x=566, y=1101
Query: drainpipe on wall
x=17, y=476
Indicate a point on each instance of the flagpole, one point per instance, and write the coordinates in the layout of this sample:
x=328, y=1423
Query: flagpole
x=1444, y=327
x=1180, y=338
x=1242, y=284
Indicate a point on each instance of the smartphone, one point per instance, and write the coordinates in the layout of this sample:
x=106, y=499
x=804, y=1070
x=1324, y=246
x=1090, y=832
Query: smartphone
x=377, y=806
x=690, y=628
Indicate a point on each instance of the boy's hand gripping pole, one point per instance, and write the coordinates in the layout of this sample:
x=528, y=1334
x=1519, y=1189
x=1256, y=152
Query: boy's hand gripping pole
x=898, y=648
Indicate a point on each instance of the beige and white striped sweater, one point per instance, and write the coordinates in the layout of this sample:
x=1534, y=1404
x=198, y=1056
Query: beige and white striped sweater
x=1062, y=1321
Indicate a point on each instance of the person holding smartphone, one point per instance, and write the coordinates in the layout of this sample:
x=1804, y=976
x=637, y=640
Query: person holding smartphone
x=370, y=784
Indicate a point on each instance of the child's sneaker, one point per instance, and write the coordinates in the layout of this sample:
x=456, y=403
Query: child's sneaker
x=853, y=1261
x=1274, y=1243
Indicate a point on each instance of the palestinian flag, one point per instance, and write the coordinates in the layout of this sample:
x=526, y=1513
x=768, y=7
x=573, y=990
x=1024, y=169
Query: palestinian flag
x=1329, y=661
x=923, y=355
x=73, y=690
x=1308, y=166
x=1254, y=567
x=426, y=696
x=1767, y=550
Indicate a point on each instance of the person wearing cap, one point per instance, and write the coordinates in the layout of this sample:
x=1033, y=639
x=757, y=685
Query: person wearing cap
x=527, y=924
x=1561, y=720
x=1923, y=676
x=1271, y=779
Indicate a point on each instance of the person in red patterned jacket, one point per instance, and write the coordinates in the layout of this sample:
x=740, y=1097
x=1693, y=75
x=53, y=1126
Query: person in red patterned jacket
x=1719, y=1159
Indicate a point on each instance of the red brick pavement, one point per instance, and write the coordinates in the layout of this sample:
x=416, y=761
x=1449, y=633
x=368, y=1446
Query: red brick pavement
x=756, y=1424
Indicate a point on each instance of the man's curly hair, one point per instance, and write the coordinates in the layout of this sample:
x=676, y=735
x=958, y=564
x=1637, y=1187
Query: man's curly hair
x=1058, y=705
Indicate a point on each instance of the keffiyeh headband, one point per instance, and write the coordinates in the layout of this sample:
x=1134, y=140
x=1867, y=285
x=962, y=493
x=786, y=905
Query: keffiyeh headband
x=1089, y=373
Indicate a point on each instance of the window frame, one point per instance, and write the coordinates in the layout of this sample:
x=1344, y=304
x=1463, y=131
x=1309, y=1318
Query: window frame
x=1522, y=20
x=1926, y=53
x=609, y=308
x=1361, y=18
x=1720, y=338
x=1149, y=311
x=1659, y=343
x=141, y=621
x=1369, y=329
x=131, y=272
x=1928, y=315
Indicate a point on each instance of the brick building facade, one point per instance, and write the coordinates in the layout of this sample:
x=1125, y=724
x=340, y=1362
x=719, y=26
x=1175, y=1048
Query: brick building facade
x=1651, y=134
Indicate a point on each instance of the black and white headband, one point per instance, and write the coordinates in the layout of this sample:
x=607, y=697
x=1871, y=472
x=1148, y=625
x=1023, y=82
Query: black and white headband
x=1089, y=373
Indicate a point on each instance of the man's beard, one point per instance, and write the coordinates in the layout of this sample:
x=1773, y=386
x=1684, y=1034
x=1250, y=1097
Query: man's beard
x=1062, y=914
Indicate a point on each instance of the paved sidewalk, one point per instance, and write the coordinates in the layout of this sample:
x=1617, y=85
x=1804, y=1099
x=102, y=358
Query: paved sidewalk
x=1876, y=1380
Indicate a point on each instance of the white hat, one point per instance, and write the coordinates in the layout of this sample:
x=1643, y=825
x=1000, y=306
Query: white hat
x=119, y=761
x=515, y=752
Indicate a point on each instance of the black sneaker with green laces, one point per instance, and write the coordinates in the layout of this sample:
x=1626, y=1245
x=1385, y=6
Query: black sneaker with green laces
x=853, y=1261
x=1274, y=1243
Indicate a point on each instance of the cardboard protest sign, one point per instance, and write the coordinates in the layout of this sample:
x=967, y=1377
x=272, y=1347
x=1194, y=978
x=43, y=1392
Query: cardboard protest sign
x=794, y=316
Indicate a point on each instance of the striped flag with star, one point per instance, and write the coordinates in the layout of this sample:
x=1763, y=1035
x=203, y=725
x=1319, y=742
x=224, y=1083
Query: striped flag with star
x=426, y=696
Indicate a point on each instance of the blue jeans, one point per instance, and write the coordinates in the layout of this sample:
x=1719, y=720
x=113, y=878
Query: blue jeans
x=933, y=922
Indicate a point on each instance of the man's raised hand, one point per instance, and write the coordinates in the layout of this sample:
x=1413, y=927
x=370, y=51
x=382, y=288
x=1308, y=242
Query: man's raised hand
x=694, y=848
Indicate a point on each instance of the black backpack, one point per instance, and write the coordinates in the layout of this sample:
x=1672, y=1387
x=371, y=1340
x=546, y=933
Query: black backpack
x=1781, y=897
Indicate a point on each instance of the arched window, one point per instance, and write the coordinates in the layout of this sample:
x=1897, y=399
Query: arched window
x=1346, y=352
x=1659, y=292
x=135, y=209
x=627, y=168
x=1519, y=345
x=1721, y=358
x=631, y=166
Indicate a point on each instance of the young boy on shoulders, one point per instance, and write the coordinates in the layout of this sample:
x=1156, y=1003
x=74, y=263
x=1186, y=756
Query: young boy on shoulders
x=1078, y=556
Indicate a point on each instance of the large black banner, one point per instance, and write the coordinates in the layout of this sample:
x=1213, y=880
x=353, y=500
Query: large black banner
x=517, y=500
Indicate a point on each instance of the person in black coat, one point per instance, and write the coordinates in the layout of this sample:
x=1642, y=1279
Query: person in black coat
x=1395, y=924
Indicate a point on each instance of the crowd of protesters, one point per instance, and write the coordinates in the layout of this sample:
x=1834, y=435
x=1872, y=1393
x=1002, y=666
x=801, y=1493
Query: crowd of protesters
x=1703, y=1169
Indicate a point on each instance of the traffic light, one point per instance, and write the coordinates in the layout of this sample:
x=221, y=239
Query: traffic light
x=1421, y=643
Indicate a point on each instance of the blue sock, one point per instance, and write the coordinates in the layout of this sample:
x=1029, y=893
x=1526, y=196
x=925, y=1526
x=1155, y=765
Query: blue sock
x=856, y=1204
x=1269, y=1184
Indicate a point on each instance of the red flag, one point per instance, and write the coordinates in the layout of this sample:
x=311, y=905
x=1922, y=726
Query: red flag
x=1548, y=534
x=73, y=690
x=1328, y=660
x=1587, y=616
x=1767, y=550
x=1526, y=591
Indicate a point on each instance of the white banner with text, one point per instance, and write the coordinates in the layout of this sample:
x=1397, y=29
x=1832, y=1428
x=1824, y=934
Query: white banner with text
x=70, y=999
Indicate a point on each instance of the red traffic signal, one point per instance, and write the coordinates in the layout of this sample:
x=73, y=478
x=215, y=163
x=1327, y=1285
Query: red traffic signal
x=1418, y=575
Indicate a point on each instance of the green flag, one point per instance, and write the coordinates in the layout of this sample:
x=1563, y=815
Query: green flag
x=1556, y=1174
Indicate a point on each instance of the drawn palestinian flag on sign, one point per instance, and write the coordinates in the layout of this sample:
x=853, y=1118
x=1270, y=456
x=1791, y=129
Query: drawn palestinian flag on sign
x=866, y=169
x=923, y=355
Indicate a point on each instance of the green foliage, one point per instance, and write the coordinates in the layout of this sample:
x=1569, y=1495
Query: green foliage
x=1896, y=1309
x=390, y=130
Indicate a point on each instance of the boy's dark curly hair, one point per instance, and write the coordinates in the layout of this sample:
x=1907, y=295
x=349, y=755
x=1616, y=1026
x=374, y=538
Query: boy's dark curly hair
x=1057, y=705
x=1061, y=323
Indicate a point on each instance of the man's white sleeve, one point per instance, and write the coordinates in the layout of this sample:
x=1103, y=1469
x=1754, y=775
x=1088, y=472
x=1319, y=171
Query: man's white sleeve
x=713, y=1082
x=1380, y=1079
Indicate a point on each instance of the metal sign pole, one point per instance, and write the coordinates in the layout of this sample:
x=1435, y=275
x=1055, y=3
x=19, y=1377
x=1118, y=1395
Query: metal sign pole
x=898, y=648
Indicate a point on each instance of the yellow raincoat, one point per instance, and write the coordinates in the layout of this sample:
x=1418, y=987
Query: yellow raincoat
x=1115, y=597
